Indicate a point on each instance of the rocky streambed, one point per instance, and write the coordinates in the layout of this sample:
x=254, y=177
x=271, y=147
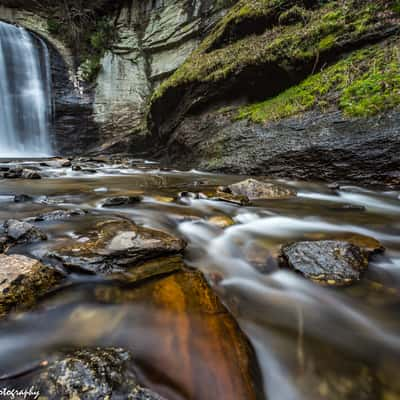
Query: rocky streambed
x=123, y=280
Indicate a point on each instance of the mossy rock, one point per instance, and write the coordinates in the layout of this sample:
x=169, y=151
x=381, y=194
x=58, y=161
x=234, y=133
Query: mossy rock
x=22, y=281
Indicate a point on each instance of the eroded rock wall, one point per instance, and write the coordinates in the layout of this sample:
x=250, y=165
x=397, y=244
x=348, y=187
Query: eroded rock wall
x=154, y=39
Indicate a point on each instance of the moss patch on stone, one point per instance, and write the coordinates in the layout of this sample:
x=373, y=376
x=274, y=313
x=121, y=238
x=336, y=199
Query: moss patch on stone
x=363, y=84
x=328, y=28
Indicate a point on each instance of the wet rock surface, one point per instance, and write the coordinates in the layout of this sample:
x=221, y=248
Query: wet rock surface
x=257, y=190
x=22, y=281
x=56, y=215
x=316, y=146
x=121, y=201
x=197, y=331
x=93, y=374
x=221, y=221
x=18, y=232
x=116, y=245
x=329, y=262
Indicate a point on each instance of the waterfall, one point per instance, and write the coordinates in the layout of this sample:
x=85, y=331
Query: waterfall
x=25, y=94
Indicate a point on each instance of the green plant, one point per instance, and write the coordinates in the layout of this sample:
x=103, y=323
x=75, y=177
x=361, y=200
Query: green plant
x=363, y=84
x=53, y=26
x=90, y=69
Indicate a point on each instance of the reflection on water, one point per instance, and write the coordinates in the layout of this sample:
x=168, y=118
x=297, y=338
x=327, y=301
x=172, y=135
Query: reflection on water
x=311, y=342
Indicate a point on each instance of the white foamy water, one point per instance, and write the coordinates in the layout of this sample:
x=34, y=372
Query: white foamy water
x=25, y=94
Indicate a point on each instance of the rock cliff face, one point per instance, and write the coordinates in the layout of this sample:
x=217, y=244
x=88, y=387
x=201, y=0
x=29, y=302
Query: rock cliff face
x=299, y=89
x=151, y=40
x=154, y=39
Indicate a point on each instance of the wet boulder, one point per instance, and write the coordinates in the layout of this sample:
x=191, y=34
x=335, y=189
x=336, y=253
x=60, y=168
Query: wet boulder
x=92, y=374
x=22, y=232
x=115, y=245
x=257, y=190
x=121, y=201
x=367, y=243
x=328, y=262
x=22, y=281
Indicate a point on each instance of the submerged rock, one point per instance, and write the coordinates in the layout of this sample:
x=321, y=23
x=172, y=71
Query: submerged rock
x=230, y=198
x=30, y=174
x=116, y=245
x=12, y=173
x=367, y=243
x=93, y=374
x=22, y=232
x=56, y=215
x=329, y=262
x=255, y=190
x=192, y=329
x=22, y=281
x=22, y=198
x=221, y=221
x=121, y=201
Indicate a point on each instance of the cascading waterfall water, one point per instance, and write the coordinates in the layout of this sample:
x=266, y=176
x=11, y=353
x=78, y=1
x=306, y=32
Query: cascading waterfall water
x=25, y=94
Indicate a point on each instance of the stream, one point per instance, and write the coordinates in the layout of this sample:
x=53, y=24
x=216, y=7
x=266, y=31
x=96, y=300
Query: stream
x=310, y=342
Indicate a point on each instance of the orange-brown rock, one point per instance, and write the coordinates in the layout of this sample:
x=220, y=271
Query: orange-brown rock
x=199, y=349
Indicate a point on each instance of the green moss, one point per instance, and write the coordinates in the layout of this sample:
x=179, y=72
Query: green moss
x=90, y=68
x=327, y=42
x=365, y=83
x=327, y=28
x=293, y=15
x=53, y=26
x=97, y=42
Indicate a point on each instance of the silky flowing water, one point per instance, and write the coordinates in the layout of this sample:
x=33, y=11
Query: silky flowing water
x=310, y=342
x=25, y=94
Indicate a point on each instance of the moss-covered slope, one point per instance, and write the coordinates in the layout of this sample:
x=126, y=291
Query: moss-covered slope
x=293, y=35
x=263, y=47
x=362, y=84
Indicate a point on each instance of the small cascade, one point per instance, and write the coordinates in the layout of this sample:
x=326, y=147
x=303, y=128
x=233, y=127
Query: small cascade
x=25, y=94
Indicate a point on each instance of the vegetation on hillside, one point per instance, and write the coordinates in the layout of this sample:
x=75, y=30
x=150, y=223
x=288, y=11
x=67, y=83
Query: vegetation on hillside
x=85, y=28
x=295, y=33
x=362, y=84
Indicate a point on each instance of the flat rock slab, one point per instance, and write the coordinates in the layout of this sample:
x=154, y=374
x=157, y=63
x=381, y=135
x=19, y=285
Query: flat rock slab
x=117, y=245
x=329, y=262
x=257, y=190
x=22, y=281
x=92, y=374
